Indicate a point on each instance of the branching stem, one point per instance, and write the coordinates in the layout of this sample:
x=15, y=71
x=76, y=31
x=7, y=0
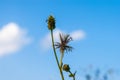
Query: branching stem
x=72, y=75
x=59, y=66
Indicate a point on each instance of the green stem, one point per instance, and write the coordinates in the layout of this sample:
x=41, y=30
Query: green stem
x=61, y=73
x=72, y=74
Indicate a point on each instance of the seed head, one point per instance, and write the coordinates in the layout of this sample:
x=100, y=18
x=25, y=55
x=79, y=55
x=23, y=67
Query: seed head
x=63, y=44
x=51, y=22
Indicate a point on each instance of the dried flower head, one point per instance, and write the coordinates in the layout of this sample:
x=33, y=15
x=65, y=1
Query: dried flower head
x=63, y=44
x=51, y=22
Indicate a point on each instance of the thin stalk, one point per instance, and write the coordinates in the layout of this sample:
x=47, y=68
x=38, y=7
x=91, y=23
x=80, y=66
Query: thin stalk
x=61, y=73
x=61, y=57
x=72, y=74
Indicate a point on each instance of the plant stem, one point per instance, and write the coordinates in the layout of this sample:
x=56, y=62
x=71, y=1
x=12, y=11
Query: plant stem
x=61, y=73
x=72, y=74
x=61, y=57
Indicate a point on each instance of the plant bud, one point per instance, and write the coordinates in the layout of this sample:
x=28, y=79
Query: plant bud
x=51, y=22
x=66, y=67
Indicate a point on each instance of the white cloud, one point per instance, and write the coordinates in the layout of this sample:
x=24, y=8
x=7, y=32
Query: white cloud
x=46, y=41
x=78, y=35
x=12, y=39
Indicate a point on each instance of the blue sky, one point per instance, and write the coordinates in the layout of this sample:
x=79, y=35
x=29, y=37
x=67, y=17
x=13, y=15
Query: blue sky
x=24, y=21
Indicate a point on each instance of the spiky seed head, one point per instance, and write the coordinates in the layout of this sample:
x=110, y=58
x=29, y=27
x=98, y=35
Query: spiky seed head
x=51, y=22
x=63, y=44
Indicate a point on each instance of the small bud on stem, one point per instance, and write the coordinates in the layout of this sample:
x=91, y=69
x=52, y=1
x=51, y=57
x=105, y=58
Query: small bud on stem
x=66, y=67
